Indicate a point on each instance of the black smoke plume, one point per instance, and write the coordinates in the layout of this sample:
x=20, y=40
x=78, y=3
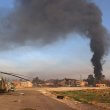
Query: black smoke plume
x=45, y=21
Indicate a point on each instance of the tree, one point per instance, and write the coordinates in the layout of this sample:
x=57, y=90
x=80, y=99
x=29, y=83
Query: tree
x=91, y=80
x=37, y=81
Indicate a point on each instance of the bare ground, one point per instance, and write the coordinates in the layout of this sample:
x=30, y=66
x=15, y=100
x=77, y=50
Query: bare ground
x=30, y=100
x=72, y=103
x=41, y=99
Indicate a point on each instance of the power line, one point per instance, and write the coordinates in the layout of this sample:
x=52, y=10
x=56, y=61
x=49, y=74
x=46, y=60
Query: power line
x=15, y=75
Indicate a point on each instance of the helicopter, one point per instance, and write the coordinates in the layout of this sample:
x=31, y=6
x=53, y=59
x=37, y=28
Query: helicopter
x=6, y=86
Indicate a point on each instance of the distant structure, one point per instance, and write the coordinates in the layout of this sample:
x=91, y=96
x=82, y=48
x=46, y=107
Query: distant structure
x=81, y=83
x=22, y=84
x=67, y=82
x=72, y=83
x=101, y=85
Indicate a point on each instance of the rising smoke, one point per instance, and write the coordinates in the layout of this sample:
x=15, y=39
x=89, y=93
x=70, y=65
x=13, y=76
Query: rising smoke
x=46, y=21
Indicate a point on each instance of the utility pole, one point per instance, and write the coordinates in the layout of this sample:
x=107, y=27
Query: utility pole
x=80, y=77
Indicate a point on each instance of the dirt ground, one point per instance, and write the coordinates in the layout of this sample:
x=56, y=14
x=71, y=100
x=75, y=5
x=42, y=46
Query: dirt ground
x=40, y=99
x=72, y=103
x=72, y=88
x=29, y=100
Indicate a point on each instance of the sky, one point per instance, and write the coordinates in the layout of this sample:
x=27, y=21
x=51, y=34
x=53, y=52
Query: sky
x=66, y=58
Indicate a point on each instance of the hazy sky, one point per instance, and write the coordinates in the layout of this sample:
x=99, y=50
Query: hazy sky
x=65, y=58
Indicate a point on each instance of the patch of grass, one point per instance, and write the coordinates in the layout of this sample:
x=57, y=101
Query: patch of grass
x=87, y=96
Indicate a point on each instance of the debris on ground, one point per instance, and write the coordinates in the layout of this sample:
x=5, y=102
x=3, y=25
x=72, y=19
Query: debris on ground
x=21, y=93
x=60, y=97
x=28, y=109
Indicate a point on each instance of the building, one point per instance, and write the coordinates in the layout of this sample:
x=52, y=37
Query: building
x=22, y=84
x=77, y=83
x=67, y=82
x=83, y=84
x=101, y=85
x=80, y=83
x=72, y=83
